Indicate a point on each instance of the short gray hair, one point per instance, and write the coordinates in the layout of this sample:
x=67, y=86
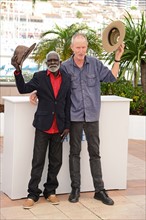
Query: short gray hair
x=78, y=34
x=54, y=52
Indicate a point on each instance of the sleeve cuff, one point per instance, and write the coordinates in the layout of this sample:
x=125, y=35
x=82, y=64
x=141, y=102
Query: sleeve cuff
x=16, y=72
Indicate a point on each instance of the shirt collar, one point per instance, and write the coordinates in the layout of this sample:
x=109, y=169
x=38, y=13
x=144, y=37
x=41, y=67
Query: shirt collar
x=48, y=73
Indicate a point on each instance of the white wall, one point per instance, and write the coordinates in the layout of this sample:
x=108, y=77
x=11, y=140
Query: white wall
x=1, y=124
x=137, y=127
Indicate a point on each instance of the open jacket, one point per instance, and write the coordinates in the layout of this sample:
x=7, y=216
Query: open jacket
x=48, y=105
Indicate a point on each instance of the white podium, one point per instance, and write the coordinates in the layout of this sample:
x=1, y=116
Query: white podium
x=18, y=147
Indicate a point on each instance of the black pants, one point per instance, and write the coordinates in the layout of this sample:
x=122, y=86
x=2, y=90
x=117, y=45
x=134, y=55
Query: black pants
x=91, y=130
x=42, y=141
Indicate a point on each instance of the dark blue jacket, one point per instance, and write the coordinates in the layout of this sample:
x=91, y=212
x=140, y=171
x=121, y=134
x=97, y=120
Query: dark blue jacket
x=48, y=105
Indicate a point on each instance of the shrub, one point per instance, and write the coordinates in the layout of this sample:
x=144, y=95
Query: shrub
x=125, y=89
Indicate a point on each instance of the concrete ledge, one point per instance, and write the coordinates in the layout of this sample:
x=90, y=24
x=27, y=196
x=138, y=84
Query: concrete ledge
x=137, y=127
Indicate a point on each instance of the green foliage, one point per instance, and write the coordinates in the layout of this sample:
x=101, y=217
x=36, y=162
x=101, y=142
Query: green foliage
x=125, y=89
x=26, y=74
x=133, y=8
x=135, y=47
x=79, y=14
x=7, y=79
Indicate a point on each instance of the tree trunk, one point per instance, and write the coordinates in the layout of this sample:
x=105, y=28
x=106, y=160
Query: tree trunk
x=143, y=75
x=135, y=78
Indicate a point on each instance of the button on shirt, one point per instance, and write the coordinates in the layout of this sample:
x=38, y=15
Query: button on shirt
x=56, y=82
x=85, y=87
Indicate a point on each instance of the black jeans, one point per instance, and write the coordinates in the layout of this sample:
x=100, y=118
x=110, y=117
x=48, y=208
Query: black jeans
x=41, y=143
x=91, y=130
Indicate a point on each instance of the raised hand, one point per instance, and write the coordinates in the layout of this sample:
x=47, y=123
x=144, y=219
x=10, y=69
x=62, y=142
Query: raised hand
x=119, y=52
x=15, y=64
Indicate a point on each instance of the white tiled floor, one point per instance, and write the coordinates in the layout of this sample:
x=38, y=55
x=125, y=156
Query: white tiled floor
x=130, y=204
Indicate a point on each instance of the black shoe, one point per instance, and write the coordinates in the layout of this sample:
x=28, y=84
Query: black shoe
x=74, y=196
x=103, y=196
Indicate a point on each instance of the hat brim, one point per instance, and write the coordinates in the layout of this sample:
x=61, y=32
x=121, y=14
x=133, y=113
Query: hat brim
x=115, y=25
x=27, y=53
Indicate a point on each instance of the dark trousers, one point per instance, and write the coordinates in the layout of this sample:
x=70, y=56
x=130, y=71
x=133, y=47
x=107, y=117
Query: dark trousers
x=91, y=130
x=41, y=143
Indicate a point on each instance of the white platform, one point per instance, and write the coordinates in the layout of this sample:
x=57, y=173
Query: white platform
x=137, y=127
x=18, y=147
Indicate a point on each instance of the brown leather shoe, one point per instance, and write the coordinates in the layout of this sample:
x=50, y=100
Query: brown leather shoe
x=53, y=199
x=28, y=204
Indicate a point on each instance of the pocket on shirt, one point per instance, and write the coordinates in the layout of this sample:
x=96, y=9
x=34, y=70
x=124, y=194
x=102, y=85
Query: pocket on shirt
x=74, y=82
x=91, y=80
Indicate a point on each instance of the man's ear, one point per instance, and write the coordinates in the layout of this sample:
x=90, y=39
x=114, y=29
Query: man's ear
x=71, y=47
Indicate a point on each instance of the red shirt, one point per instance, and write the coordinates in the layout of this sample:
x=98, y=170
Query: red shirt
x=56, y=82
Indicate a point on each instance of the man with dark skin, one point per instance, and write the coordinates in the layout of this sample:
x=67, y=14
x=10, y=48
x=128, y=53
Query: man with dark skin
x=52, y=123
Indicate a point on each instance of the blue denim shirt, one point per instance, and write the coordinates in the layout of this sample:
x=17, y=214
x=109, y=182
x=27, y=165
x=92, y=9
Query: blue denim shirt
x=85, y=87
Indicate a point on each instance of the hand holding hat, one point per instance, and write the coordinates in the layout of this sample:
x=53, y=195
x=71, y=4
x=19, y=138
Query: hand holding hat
x=15, y=64
x=119, y=52
x=20, y=54
x=113, y=36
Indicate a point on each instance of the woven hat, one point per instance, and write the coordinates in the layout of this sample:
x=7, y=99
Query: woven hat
x=22, y=52
x=113, y=36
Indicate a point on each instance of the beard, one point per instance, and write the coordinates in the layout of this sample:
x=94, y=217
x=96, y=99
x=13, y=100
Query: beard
x=53, y=68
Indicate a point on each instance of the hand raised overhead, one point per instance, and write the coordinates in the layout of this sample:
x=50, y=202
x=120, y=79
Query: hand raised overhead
x=15, y=64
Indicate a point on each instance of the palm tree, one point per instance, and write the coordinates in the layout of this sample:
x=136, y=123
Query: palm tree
x=135, y=41
x=133, y=61
x=143, y=75
x=59, y=39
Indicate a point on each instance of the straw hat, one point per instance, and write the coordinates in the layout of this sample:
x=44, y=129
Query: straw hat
x=22, y=52
x=113, y=36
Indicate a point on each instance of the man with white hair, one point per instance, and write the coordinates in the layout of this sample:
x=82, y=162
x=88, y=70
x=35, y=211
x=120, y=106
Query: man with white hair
x=86, y=73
